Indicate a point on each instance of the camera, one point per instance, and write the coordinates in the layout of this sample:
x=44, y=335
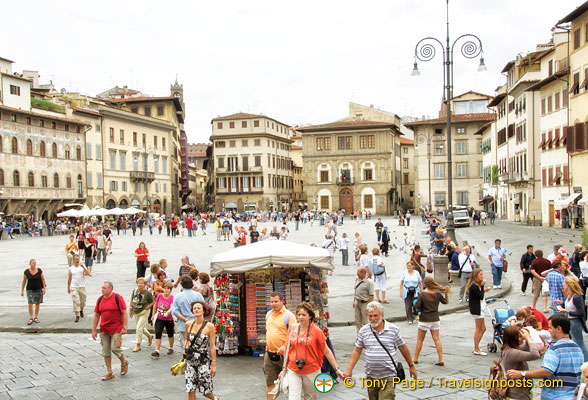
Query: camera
x=301, y=362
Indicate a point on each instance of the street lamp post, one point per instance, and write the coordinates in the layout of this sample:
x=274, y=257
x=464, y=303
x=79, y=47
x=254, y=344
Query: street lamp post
x=425, y=51
x=145, y=152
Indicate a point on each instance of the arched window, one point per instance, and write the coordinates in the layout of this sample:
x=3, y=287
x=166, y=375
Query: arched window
x=42, y=149
x=54, y=150
x=68, y=181
x=31, y=179
x=29, y=147
x=16, y=178
x=78, y=153
x=67, y=155
x=56, y=180
x=14, y=146
x=44, y=180
x=1, y=177
x=80, y=187
x=324, y=173
x=367, y=171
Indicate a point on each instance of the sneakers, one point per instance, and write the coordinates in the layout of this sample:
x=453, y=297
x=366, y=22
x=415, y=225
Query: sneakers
x=155, y=354
x=82, y=313
x=522, y=293
x=499, y=286
x=461, y=300
x=170, y=352
x=495, y=287
x=77, y=318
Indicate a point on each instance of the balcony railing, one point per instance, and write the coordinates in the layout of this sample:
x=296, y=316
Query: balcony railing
x=238, y=169
x=142, y=176
x=345, y=181
x=226, y=190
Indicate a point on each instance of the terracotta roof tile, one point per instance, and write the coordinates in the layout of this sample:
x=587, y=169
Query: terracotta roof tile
x=84, y=110
x=239, y=115
x=406, y=141
x=353, y=124
x=45, y=116
x=456, y=118
x=139, y=99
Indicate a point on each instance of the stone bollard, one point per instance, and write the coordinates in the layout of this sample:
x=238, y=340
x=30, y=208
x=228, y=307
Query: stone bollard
x=441, y=265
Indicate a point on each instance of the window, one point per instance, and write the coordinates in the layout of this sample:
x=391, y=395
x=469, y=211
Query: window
x=112, y=159
x=144, y=141
x=405, y=179
x=243, y=124
x=462, y=198
x=56, y=180
x=344, y=142
x=221, y=183
x=13, y=119
x=135, y=139
x=98, y=151
x=549, y=104
x=232, y=125
x=439, y=199
x=135, y=110
x=258, y=161
x=1, y=177
x=29, y=147
x=368, y=174
x=144, y=162
x=111, y=130
x=232, y=143
x=155, y=141
x=405, y=163
x=124, y=186
x=14, y=146
x=564, y=98
x=147, y=111
x=257, y=142
x=16, y=178
x=15, y=90
x=460, y=147
x=460, y=131
x=135, y=162
x=99, y=181
x=68, y=182
x=439, y=171
x=576, y=83
x=461, y=170
x=163, y=143
x=67, y=152
x=577, y=39
x=156, y=164
x=323, y=143
x=28, y=120
x=233, y=183
x=256, y=124
x=89, y=180
x=245, y=164
x=245, y=143
x=113, y=186
x=542, y=106
x=324, y=202
x=405, y=150
x=164, y=165
x=258, y=181
x=232, y=164
x=159, y=110
x=221, y=162
x=481, y=169
x=219, y=125
x=31, y=179
x=1, y=144
x=88, y=150
x=123, y=160
x=66, y=127
x=219, y=144
x=324, y=176
x=439, y=148
x=368, y=201
x=556, y=101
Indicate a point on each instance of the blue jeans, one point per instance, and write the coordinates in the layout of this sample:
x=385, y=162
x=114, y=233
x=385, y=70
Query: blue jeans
x=189, y=232
x=89, y=261
x=496, y=275
x=577, y=336
x=297, y=223
x=345, y=256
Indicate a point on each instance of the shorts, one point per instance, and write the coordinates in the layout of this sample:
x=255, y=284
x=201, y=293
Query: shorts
x=475, y=316
x=429, y=326
x=537, y=288
x=271, y=369
x=35, y=296
x=377, y=393
x=111, y=343
x=380, y=282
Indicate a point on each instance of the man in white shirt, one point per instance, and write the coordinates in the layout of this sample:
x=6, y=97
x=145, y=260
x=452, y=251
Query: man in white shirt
x=330, y=244
x=555, y=253
x=76, y=286
x=467, y=263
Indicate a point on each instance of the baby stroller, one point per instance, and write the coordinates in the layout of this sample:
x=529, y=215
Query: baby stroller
x=499, y=317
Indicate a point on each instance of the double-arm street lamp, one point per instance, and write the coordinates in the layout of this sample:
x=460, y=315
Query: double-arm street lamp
x=471, y=47
x=144, y=176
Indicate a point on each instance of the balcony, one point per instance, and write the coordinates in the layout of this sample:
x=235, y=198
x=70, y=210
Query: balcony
x=226, y=190
x=255, y=170
x=516, y=177
x=345, y=181
x=142, y=176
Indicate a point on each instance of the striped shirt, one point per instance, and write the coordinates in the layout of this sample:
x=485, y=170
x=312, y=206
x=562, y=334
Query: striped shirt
x=556, y=283
x=377, y=362
x=563, y=359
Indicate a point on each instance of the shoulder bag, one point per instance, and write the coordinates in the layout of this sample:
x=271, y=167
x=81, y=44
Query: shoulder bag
x=397, y=366
x=281, y=384
x=462, y=265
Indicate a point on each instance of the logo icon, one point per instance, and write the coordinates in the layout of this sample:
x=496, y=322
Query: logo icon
x=323, y=383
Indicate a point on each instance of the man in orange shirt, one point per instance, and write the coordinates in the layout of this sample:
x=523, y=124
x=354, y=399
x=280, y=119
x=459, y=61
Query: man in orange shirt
x=277, y=325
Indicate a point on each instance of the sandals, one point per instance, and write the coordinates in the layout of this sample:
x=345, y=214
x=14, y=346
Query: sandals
x=124, y=367
x=440, y=364
x=30, y=322
x=108, y=376
x=36, y=320
x=479, y=353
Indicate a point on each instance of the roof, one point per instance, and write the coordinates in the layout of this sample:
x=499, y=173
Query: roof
x=6, y=59
x=483, y=128
x=471, y=92
x=545, y=52
x=574, y=14
x=176, y=100
x=496, y=100
x=547, y=80
x=15, y=76
x=348, y=125
x=508, y=66
x=45, y=116
x=241, y=115
x=404, y=141
x=456, y=118
x=86, y=111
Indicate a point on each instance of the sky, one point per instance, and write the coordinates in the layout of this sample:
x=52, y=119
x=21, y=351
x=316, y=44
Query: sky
x=299, y=62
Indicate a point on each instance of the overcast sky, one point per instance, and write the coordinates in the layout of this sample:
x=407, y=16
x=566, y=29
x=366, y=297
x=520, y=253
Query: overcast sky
x=299, y=62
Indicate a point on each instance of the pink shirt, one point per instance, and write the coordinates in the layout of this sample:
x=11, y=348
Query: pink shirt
x=163, y=306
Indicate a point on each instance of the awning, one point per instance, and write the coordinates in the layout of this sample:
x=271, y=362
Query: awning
x=542, y=144
x=563, y=203
x=582, y=202
x=555, y=141
x=486, y=199
x=564, y=136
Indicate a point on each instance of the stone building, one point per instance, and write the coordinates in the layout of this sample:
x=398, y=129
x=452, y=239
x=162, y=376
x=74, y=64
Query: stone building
x=298, y=193
x=352, y=165
x=407, y=173
x=251, y=163
x=469, y=113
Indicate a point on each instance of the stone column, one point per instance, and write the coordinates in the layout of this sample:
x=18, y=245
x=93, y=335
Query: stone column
x=441, y=265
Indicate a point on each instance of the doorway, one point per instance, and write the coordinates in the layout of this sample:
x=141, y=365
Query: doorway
x=551, y=214
x=346, y=200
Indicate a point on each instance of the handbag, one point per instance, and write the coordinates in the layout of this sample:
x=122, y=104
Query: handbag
x=397, y=366
x=281, y=384
x=505, y=266
x=180, y=367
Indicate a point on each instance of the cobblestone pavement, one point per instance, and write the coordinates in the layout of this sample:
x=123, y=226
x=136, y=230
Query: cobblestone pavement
x=69, y=366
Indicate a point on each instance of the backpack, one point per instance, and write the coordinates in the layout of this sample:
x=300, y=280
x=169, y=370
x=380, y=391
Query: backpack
x=115, y=299
x=377, y=270
x=286, y=317
x=497, y=377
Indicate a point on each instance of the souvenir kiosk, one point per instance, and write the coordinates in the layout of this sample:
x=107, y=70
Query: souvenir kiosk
x=245, y=277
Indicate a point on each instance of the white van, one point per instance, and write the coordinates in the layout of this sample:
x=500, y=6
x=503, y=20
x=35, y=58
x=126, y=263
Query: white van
x=461, y=216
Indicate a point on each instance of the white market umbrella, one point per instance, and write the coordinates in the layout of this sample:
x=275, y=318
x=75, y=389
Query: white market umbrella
x=115, y=211
x=69, y=213
x=133, y=210
x=270, y=254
